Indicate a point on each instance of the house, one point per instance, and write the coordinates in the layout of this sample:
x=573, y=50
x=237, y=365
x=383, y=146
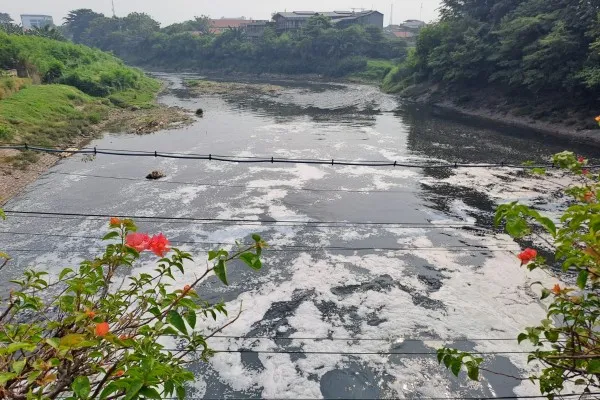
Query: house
x=218, y=26
x=290, y=21
x=413, y=24
x=407, y=30
x=31, y=21
x=255, y=29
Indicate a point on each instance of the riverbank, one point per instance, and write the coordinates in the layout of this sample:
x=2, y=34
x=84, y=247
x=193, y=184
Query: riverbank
x=20, y=168
x=573, y=125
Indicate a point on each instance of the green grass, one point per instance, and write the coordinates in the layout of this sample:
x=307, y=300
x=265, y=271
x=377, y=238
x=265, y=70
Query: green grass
x=375, y=72
x=75, y=86
x=10, y=85
x=92, y=71
x=49, y=115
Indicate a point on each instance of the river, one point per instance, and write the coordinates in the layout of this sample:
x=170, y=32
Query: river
x=438, y=276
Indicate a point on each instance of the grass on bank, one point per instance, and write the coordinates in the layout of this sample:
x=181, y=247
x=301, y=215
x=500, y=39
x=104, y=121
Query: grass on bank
x=69, y=89
x=375, y=71
x=49, y=115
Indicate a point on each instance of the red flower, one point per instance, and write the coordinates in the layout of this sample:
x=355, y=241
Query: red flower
x=581, y=159
x=90, y=314
x=114, y=222
x=119, y=373
x=588, y=197
x=159, y=245
x=556, y=289
x=527, y=256
x=585, y=171
x=102, y=329
x=138, y=241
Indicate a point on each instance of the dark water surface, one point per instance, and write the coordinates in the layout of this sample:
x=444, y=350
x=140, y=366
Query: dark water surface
x=442, y=284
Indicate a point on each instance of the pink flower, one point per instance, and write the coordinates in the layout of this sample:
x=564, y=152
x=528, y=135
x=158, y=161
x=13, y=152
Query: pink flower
x=527, y=256
x=102, y=329
x=581, y=160
x=138, y=241
x=585, y=171
x=159, y=245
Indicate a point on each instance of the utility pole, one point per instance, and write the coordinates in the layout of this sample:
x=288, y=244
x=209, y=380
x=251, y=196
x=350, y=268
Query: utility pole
x=113, y=9
x=392, y=14
x=421, y=13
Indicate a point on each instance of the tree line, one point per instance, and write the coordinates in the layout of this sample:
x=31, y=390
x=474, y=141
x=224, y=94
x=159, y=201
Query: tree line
x=537, y=49
x=319, y=47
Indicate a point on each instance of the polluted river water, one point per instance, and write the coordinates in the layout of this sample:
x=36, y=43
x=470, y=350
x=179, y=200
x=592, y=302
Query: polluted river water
x=404, y=261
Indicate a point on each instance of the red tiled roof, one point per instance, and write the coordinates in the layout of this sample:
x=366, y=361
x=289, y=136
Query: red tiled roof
x=229, y=22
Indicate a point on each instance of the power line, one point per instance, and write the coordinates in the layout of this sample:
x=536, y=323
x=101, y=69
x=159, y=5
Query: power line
x=242, y=221
x=273, y=160
x=356, y=353
x=275, y=247
x=583, y=395
x=351, y=339
x=204, y=184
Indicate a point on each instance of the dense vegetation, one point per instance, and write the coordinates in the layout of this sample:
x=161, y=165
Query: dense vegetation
x=64, y=89
x=532, y=51
x=318, y=48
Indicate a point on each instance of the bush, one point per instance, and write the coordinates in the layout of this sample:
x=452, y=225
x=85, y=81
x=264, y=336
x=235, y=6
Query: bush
x=92, y=333
x=566, y=342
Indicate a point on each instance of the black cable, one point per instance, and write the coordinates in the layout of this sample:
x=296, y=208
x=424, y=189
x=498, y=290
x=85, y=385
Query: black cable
x=558, y=396
x=241, y=221
x=275, y=247
x=272, y=160
x=168, y=182
x=356, y=353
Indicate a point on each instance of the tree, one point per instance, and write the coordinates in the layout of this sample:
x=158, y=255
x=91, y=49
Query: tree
x=93, y=334
x=78, y=21
x=5, y=19
x=566, y=342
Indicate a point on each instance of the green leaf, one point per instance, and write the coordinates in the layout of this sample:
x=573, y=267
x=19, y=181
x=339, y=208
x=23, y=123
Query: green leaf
x=251, y=260
x=14, y=347
x=440, y=355
x=64, y=273
x=180, y=393
x=455, y=366
x=212, y=254
x=6, y=376
x=2, y=215
x=593, y=367
x=582, y=279
x=517, y=227
x=18, y=366
x=256, y=238
x=521, y=337
x=190, y=317
x=133, y=390
x=552, y=336
x=175, y=319
x=111, y=235
x=221, y=272
x=150, y=393
x=545, y=293
x=108, y=390
x=81, y=387
x=473, y=373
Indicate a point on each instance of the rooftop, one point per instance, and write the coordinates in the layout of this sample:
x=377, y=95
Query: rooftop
x=330, y=14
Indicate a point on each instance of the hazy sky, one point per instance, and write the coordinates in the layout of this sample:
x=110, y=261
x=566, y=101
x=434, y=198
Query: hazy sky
x=169, y=11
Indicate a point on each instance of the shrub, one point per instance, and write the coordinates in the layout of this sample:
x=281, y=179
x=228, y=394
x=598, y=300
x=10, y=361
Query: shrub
x=92, y=333
x=566, y=342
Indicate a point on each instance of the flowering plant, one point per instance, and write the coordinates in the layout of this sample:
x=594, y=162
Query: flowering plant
x=566, y=343
x=94, y=333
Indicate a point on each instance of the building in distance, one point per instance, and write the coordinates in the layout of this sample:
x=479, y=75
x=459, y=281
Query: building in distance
x=32, y=21
x=291, y=21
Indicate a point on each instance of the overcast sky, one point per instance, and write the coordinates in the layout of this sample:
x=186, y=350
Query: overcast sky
x=169, y=11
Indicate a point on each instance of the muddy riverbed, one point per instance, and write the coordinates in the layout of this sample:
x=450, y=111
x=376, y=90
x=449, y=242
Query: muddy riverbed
x=360, y=314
